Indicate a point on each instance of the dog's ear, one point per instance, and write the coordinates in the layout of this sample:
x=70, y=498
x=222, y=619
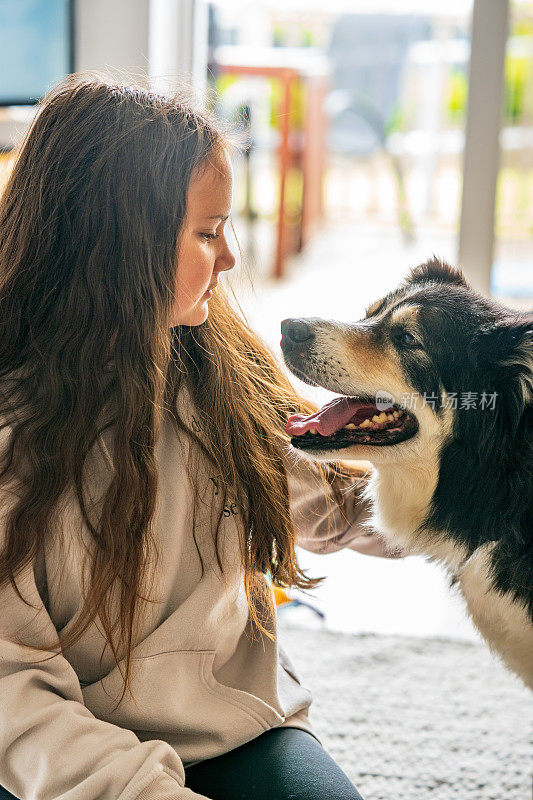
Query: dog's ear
x=508, y=347
x=524, y=361
x=438, y=271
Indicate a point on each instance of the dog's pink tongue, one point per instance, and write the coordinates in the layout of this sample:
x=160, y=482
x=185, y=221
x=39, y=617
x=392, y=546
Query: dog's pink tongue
x=331, y=417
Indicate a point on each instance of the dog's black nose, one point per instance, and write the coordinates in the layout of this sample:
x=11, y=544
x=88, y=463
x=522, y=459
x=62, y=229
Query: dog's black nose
x=296, y=330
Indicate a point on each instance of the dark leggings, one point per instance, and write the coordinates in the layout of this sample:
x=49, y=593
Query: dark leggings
x=281, y=764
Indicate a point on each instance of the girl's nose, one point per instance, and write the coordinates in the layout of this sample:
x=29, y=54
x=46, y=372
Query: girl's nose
x=226, y=260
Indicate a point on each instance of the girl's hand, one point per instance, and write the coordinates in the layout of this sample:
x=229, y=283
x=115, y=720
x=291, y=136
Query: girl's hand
x=372, y=544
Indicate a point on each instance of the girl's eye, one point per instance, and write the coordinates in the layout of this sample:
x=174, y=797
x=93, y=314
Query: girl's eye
x=406, y=339
x=209, y=235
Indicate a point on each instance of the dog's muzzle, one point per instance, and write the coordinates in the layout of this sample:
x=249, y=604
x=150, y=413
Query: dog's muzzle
x=346, y=420
x=296, y=331
x=297, y=339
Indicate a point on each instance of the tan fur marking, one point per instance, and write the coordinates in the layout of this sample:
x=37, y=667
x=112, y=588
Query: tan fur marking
x=378, y=365
x=373, y=307
x=405, y=314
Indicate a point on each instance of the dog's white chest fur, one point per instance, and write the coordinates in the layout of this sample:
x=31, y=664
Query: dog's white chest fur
x=401, y=502
x=503, y=622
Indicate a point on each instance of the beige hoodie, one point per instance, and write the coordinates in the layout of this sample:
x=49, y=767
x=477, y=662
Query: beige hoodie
x=204, y=680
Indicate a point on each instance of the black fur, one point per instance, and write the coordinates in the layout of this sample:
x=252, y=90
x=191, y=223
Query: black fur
x=485, y=486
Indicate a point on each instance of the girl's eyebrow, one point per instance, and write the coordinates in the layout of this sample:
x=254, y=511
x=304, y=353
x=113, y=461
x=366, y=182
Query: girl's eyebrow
x=219, y=216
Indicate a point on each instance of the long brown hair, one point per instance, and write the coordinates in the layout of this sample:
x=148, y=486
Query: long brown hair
x=89, y=230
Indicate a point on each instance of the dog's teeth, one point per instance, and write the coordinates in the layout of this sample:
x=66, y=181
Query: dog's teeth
x=382, y=417
x=350, y=426
x=390, y=418
x=365, y=423
x=375, y=418
x=313, y=431
x=395, y=414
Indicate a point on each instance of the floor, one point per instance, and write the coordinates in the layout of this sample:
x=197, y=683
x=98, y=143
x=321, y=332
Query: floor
x=343, y=269
x=416, y=719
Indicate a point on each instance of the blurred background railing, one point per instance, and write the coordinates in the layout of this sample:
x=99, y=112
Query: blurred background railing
x=394, y=116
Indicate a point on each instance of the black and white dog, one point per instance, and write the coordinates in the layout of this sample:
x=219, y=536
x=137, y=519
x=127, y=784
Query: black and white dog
x=436, y=391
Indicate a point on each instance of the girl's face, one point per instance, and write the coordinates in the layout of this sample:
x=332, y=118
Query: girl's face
x=203, y=250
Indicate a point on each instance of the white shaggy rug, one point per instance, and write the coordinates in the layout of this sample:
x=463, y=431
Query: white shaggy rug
x=417, y=719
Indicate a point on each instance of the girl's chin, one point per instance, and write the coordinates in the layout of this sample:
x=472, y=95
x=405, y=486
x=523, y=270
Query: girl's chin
x=196, y=315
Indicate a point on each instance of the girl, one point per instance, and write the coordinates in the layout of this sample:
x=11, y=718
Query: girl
x=147, y=483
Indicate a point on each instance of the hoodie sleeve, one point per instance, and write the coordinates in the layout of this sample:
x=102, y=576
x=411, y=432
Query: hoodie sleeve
x=51, y=746
x=323, y=525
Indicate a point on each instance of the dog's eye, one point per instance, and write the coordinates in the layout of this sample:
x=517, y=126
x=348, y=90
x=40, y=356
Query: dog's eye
x=405, y=339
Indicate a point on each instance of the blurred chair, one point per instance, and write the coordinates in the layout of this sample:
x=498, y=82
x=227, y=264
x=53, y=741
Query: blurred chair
x=367, y=53
x=296, y=129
